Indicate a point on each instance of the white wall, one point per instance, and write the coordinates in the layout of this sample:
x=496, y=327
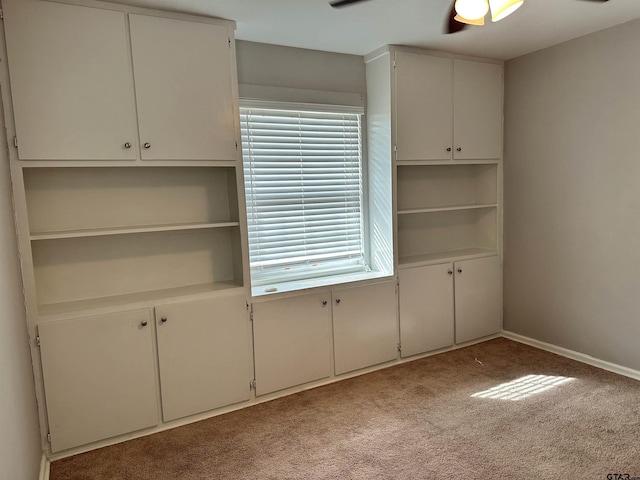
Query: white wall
x=20, y=451
x=277, y=66
x=572, y=195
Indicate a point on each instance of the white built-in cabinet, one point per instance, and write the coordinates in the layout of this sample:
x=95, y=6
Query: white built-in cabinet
x=106, y=236
x=130, y=211
x=296, y=338
x=70, y=62
x=292, y=341
x=426, y=308
x=183, y=81
x=204, y=354
x=170, y=99
x=443, y=115
x=447, y=108
x=365, y=326
x=478, y=298
x=99, y=376
x=450, y=302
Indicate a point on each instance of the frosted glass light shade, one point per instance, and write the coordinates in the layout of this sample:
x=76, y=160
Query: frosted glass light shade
x=503, y=8
x=472, y=9
x=476, y=21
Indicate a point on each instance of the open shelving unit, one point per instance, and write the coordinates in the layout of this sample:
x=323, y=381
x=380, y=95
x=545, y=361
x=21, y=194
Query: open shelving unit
x=446, y=211
x=119, y=235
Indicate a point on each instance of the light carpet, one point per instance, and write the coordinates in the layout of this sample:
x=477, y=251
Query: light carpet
x=425, y=419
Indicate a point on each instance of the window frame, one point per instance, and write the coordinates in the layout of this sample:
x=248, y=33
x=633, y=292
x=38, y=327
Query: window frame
x=262, y=287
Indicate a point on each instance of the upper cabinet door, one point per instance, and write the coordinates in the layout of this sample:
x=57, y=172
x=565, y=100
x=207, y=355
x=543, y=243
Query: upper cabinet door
x=183, y=75
x=477, y=110
x=70, y=80
x=423, y=107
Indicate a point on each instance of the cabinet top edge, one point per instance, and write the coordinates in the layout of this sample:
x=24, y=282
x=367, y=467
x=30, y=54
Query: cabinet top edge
x=392, y=49
x=231, y=24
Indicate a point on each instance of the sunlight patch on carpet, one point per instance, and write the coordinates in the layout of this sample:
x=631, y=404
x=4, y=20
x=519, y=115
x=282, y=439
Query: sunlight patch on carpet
x=523, y=387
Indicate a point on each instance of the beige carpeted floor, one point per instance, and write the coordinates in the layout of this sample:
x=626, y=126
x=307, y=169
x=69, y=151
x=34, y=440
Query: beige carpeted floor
x=414, y=421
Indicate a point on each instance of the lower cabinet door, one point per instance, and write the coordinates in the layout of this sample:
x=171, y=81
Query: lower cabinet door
x=426, y=308
x=99, y=377
x=478, y=298
x=292, y=341
x=365, y=326
x=204, y=354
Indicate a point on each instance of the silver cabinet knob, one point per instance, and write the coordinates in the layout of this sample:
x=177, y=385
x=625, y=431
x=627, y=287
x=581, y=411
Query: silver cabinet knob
x=459, y=270
x=127, y=145
x=459, y=149
x=163, y=319
x=448, y=149
x=147, y=145
x=450, y=272
x=337, y=300
x=144, y=323
x=324, y=303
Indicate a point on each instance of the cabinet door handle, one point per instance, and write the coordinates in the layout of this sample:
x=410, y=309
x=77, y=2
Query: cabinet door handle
x=147, y=145
x=163, y=319
x=144, y=323
x=448, y=149
x=459, y=149
x=459, y=270
x=324, y=303
x=450, y=272
x=337, y=300
x=127, y=145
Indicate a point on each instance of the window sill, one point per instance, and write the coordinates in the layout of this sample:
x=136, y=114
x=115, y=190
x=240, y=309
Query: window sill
x=283, y=287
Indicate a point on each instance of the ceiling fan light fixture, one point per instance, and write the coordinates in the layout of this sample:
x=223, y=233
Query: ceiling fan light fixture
x=471, y=9
x=503, y=8
x=476, y=21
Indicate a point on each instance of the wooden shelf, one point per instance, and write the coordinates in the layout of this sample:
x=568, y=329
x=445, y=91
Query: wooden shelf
x=99, y=232
x=449, y=208
x=133, y=299
x=439, y=257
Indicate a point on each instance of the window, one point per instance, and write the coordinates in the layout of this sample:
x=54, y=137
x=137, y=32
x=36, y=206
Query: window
x=304, y=192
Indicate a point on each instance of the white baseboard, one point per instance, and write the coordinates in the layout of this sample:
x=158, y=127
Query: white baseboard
x=45, y=465
x=580, y=357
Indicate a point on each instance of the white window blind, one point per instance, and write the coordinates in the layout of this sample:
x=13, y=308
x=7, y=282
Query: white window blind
x=303, y=185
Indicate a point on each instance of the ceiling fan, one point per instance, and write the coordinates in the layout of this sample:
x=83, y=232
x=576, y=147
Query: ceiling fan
x=467, y=12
